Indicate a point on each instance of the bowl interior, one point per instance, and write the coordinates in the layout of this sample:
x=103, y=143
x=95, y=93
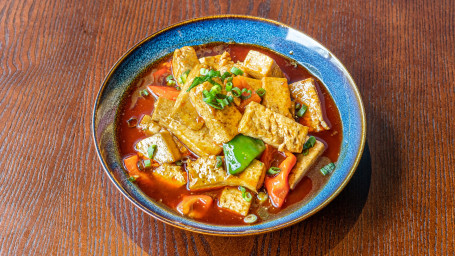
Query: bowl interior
x=240, y=29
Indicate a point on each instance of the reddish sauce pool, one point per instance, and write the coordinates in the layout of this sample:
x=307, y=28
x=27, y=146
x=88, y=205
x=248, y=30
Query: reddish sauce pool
x=135, y=106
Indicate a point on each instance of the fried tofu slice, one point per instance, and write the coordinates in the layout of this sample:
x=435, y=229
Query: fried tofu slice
x=305, y=92
x=253, y=83
x=222, y=123
x=304, y=163
x=273, y=128
x=203, y=174
x=171, y=174
x=253, y=176
x=148, y=126
x=221, y=62
x=183, y=59
x=183, y=110
x=162, y=109
x=277, y=96
x=232, y=200
x=259, y=65
x=199, y=142
x=166, y=149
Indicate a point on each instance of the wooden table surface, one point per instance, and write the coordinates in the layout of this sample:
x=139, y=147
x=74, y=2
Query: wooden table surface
x=56, y=199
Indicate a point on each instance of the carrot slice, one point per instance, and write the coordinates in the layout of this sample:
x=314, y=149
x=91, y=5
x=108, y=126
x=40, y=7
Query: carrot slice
x=239, y=82
x=130, y=164
x=278, y=186
x=195, y=206
x=164, y=91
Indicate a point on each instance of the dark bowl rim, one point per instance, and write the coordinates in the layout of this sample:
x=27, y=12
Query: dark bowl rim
x=216, y=232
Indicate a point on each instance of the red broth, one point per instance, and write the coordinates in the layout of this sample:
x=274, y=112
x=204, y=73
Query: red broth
x=135, y=106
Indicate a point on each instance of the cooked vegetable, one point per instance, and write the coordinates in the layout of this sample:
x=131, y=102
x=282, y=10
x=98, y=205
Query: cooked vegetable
x=219, y=161
x=328, y=169
x=273, y=170
x=278, y=187
x=308, y=144
x=195, y=206
x=260, y=92
x=151, y=151
x=166, y=92
x=240, y=151
x=262, y=197
x=236, y=71
x=302, y=111
x=251, y=218
x=245, y=194
x=144, y=93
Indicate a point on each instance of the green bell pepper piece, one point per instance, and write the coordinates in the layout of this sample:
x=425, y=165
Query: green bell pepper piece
x=240, y=152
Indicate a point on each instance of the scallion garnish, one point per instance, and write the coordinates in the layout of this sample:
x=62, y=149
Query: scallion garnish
x=262, y=197
x=151, y=151
x=178, y=88
x=147, y=163
x=236, y=71
x=225, y=75
x=328, y=169
x=169, y=77
x=132, y=178
x=236, y=92
x=215, y=89
x=179, y=163
x=273, y=170
x=260, y=92
x=297, y=106
x=309, y=143
x=229, y=86
x=219, y=162
x=203, y=71
x=144, y=93
x=170, y=80
x=250, y=218
x=302, y=111
x=214, y=73
x=196, y=81
x=246, y=195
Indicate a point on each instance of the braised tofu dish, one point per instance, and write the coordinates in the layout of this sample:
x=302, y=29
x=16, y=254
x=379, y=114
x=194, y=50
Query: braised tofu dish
x=228, y=134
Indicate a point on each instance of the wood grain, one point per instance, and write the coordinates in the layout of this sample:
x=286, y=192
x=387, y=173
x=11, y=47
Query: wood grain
x=56, y=199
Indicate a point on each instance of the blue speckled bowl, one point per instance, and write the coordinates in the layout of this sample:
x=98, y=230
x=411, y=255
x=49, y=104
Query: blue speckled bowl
x=241, y=29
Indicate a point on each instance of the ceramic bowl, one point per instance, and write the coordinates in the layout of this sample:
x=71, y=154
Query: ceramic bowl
x=240, y=29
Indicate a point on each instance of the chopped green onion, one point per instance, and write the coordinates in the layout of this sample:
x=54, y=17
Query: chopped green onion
x=309, y=143
x=297, y=106
x=180, y=80
x=236, y=92
x=246, y=195
x=223, y=102
x=147, y=163
x=170, y=83
x=178, y=88
x=229, y=79
x=302, y=111
x=214, y=73
x=262, y=197
x=169, y=78
x=219, y=162
x=213, y=105
x=203, y=71
x=225, y=75
x=230, y=98
x=250, y=218
x=236, y=71
x=328, y=169
x=132, y=178
x=213, y=82
x=260, y=92
x=215, y=89
x=306, y=152
x=144, y=93
x=179, y=163
x=151, y=151
x=229, y=86
x=197, y=81
x=273, y=170
x=245, y=97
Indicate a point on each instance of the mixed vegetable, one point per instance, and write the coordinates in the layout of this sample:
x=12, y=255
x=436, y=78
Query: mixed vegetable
x=232, y=134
